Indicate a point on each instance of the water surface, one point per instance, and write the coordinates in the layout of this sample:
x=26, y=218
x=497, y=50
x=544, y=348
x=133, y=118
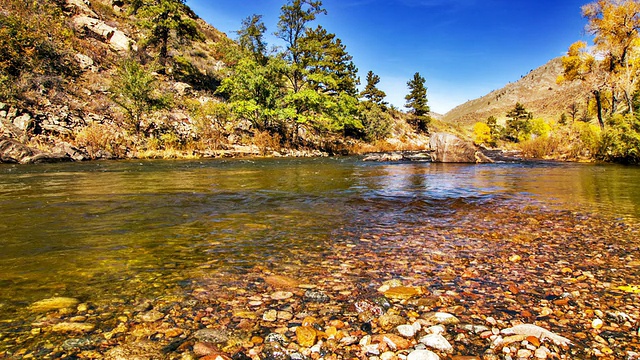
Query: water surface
x=100, y=231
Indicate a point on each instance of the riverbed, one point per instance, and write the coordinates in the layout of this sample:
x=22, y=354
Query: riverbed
x=151, y=252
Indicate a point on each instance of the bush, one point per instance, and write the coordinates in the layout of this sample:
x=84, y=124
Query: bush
x=377, y=123
x=621, y=142
x=100, y=139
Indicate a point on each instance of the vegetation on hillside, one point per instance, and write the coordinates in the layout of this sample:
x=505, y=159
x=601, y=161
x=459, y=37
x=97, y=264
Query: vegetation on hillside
x=181, y=86
x=610, y=71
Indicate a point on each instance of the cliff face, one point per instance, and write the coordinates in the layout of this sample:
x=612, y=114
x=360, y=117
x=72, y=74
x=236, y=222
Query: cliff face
x=537, y=91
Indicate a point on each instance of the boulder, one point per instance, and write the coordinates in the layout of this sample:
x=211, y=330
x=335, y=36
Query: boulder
x=15, y=152
x=12, y=151
x=85, y=62
x=448, y=148
x=116, y=39
x=80, y=7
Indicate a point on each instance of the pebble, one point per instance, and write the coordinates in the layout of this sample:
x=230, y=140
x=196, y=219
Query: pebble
x=55, y=303
x=541, y=352
x=270, y=315
x=597, y=323
x=406, y=330
x=152, y=316
x=442, y=318
x=316, y=296
x=72, y=327
x=524, y=353
x=437, y=341
x=281, y=295
x=423, y=355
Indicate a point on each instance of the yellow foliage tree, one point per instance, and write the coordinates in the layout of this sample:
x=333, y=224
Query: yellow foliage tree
x=482, y=134
x=615, y=25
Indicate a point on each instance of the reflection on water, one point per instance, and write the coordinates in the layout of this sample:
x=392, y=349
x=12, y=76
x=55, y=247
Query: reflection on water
x=95, y=229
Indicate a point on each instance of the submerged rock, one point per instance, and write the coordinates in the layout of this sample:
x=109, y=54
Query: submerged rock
x=55, y=303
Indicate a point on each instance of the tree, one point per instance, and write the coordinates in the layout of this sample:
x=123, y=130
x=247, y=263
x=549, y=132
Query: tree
x=615, y=24
x=417, y=102
x=573, y=111
x=580, y=64
x=326, y=64
x=292, y=26
x=482, y=134
x=134, y=90
x=251, y=37
x=518, y=123
x=165, y=19
x=371, y=92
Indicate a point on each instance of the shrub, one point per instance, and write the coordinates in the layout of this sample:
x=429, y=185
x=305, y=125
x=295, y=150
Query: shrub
x=621, y=141
x=377, y=123
x=267, y=142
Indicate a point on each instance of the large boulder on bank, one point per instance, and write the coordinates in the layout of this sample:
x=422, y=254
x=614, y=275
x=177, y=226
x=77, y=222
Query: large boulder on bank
x=448, y=148
x=15, y=152
x=12, y=151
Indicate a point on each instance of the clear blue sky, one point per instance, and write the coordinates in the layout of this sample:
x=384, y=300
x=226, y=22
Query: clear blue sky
x=464, y=48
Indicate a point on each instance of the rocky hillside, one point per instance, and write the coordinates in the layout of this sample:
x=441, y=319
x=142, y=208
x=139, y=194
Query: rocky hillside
x=538, y=91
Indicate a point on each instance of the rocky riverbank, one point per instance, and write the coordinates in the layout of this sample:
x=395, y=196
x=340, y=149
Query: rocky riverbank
x=511, y=283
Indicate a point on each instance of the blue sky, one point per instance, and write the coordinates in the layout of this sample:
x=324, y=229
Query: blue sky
x=464, y=48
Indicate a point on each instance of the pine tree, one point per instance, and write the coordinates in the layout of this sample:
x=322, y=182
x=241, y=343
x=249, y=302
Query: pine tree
x=371, y=91
x=165, y=19
x=417, y=103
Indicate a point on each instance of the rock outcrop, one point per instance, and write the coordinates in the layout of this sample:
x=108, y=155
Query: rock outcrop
x=116, y=39
x=448, y=148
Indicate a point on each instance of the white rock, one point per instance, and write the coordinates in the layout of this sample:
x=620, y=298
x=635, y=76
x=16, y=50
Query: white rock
x=436, y=329
x=387, y=355
x=423, y=355
x=524, y=353
x=443, y=318
x=407, y=331
x=541, y=353
x=437, y=341
x=537, y=331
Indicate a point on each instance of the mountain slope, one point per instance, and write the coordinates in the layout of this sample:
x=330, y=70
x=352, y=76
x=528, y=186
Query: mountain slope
x=537, y=91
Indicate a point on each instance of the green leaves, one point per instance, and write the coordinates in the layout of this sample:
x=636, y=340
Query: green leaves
x=134, y=90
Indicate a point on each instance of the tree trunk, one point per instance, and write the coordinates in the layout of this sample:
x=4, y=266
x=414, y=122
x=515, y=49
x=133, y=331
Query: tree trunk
x=596, y=93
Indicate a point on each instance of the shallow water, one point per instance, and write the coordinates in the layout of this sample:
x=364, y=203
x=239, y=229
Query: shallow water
x=119, y=231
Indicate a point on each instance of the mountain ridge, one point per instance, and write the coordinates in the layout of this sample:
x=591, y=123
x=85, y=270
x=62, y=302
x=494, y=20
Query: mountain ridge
x=538, y=91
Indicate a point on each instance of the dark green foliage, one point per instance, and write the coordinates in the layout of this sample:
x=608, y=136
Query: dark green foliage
x=518, y=124
x=417, y=103
x=165, y=19
x=327, y=66
x=371, y=92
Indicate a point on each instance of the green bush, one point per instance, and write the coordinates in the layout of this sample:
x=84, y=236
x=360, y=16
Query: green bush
x=621, y=141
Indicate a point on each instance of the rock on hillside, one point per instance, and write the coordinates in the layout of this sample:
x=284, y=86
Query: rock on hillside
x=538, y=91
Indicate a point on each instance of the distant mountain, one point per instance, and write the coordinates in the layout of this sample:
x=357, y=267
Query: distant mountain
x=537, y=91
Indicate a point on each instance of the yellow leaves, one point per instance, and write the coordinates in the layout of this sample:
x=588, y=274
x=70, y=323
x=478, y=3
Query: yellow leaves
x=635, y=289
x=481, y=133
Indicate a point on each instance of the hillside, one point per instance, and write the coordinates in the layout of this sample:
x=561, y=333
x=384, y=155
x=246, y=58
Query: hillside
x=538, y=91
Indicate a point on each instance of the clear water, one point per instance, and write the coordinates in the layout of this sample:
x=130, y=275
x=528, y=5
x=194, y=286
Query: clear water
x=100, y=231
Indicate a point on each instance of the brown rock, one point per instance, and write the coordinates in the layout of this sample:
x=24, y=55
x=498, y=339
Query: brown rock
x=393, y=341
x=306, y=336
x=448, y=148
x=281, y=282
x=402, y=292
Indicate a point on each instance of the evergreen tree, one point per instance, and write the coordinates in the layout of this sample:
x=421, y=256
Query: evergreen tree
x=165, y=19
x=371, y=91
x=518, y=123
x=417, y=103
x=327, y=66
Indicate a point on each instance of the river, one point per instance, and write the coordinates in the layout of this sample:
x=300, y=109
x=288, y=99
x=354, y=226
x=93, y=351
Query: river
x=121, y=232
